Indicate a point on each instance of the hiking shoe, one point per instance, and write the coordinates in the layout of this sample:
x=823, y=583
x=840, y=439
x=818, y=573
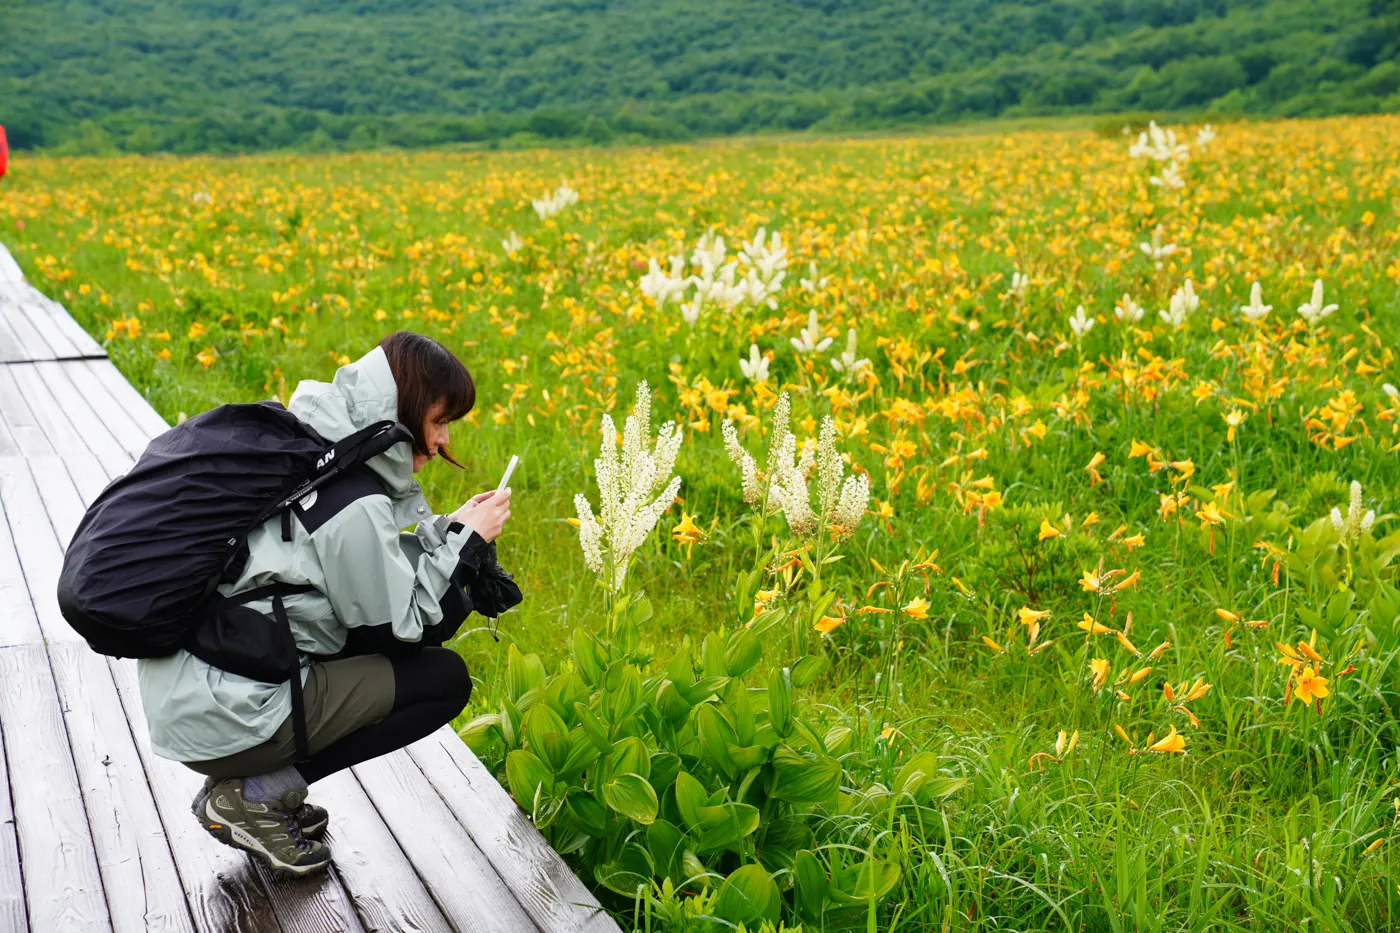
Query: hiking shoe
x=267, y=831
x=313, y=819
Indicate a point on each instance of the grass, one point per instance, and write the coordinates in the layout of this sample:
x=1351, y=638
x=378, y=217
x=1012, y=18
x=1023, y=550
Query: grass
x=975, y=423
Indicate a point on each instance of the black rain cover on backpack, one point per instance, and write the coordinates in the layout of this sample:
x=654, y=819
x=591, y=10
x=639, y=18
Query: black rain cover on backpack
x=147, y=557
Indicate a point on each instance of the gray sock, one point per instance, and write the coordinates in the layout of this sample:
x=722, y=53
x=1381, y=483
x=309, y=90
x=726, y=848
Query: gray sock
x=273, y=786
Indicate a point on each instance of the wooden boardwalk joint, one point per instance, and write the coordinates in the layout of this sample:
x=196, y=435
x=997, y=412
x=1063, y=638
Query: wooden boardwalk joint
x=95, y=829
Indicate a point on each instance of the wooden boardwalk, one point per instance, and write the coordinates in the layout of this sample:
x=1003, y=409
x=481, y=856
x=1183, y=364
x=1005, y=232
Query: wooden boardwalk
x=95, y=830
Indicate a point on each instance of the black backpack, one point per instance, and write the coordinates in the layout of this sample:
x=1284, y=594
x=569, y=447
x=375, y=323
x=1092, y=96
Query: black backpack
x=140, y=575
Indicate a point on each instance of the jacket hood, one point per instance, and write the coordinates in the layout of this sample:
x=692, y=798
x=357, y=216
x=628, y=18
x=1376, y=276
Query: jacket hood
x=360, y=394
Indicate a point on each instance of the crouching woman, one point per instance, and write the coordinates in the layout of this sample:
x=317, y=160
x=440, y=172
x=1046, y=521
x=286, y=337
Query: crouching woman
x=374, y=609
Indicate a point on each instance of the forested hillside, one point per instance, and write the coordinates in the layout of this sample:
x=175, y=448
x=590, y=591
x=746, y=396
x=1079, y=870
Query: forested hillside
x=219, y=75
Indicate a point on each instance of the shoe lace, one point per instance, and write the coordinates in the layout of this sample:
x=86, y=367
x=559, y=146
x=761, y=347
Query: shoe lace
x=291, y=818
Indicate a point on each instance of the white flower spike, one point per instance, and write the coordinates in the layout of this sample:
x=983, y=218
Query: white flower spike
x=755, y=368
x=1127, y=310
x=1314, y=310
x=1256, y=310
x=810, y=339
x=1080, y=323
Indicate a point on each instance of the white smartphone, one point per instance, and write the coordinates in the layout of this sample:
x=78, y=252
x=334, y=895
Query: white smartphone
x=510, y=468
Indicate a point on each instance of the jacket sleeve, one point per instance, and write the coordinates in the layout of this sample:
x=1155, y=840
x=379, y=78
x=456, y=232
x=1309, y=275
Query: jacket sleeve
x=370, y=581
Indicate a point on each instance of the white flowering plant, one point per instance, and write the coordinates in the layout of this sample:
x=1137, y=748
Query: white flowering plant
x=635, y=487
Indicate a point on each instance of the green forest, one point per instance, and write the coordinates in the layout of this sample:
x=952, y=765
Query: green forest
x=92, y=76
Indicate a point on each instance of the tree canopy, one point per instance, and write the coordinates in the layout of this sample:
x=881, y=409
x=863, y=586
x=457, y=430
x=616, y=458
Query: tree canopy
x=224, y=75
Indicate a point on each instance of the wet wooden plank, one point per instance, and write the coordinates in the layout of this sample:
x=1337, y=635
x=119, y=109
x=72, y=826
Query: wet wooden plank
x=37, y=544
x=138, y=871
x=44, y=322
x=457, y=874
x=18, y=623
x=120, y=423
x=125, y=393
x=62, y=884
x=19, y=418
x=57, y=404
x=388, y=894
x=84, y=343
x=544, y=885
x=222, y=888
x=60, y=496
x=13, y=915
x=9, y=444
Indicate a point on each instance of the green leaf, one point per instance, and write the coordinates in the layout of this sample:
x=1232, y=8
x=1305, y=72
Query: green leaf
x=632, y=796
x=780, y=840
x=587, y=812
x=780, y=701
x=553, y=749
x=915, y=773
x=702, y=689
x=857, y=884
x=626, y=872
x=623, y=690
x=748, y=896
x=526, y=775
x=631, y=755
x=716, y=735
x=724, y=825
x=810, y=885
x=691, y=799
x=587, y=657
x=838, y=740
x=479, y=733
x=666, y=843
x=746, y=757
x=523, y=672
x=799, y=778
x=742, y=652
x=807, y=670
x=593, y=727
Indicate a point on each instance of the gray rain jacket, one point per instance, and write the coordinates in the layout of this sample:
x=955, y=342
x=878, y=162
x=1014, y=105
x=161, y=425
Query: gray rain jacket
x=349, y=551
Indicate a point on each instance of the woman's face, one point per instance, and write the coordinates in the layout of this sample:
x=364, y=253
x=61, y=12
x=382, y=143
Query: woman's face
x=434, y=432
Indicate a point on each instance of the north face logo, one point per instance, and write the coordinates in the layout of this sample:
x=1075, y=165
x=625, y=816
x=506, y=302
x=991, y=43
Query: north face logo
x=330, y=455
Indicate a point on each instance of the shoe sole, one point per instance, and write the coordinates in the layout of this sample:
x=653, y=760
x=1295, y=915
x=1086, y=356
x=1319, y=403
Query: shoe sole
x=229, y=836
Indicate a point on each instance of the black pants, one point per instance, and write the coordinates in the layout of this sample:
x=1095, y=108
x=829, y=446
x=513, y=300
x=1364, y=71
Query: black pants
x=431, y=687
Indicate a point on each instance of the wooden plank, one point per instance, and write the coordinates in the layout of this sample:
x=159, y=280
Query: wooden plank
x=62, y=884
x=31, y=342
x=18, y=623
x=45, y=323
x=10, y=347
x=133, y=401
x=13, y=915
x=9, y=444
x=119, y=422
x=88, y=476
x=59, y=495
x=69, y=425
x=19, y=418
x=546, y=888
x=37, y=544
x=138, y=870
x=222, y=888
x=86, y=344
x=387, y=893
x=458, y=875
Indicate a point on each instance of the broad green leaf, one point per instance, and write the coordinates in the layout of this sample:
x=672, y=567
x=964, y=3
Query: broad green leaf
x=479, y=733
x=625, y=873
x=857, y=884
x=742, y=652
x=724, y=825
x=748, y=896
x=526, y=774
x=592, y=726
x=690, y=799
x=632, y=796
x=666, y=843
x=591, y=815
x=780, y=701
x=810, y=884
x=587, y=657
x=523, y=672
x=631, y=755
x=716, y=735
x=807, y=670
x=799, y=778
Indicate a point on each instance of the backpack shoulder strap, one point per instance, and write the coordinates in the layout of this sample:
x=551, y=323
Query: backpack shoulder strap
x=322, y=504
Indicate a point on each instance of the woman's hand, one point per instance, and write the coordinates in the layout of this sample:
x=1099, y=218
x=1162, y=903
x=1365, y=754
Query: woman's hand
x=485, y=512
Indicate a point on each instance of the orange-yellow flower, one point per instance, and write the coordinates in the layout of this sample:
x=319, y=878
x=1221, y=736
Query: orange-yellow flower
x=1048, y=530
x=1173, y=741
x=1100, y=668
x=1310, y=686
x=917, y=608
x=1093, y=468
x=993, y=645
x=1093, y=627
x=828, y=624
x=1026, y=615
x=1090, y=581
x=687, y=533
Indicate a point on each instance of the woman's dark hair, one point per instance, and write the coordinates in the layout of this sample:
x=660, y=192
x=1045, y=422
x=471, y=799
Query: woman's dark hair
x=426, y=372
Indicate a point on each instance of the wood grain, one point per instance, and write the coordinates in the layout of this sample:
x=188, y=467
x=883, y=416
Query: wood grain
x=138, y=870
x=119, y=422
x=18, y=623
x=457, y=874
x=124, y=392
x=9, y=269
x=62, y=884
x=388, y=894
x=224, y=892
x=85, y=344
x=52, y=396
x=58, y=339
x=23, y=426
x=12, y=912
x=35, y=541
x=544, y=885
x=31, y=342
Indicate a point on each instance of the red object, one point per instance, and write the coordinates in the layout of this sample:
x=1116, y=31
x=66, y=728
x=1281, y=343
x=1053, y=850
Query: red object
x=4, y=152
